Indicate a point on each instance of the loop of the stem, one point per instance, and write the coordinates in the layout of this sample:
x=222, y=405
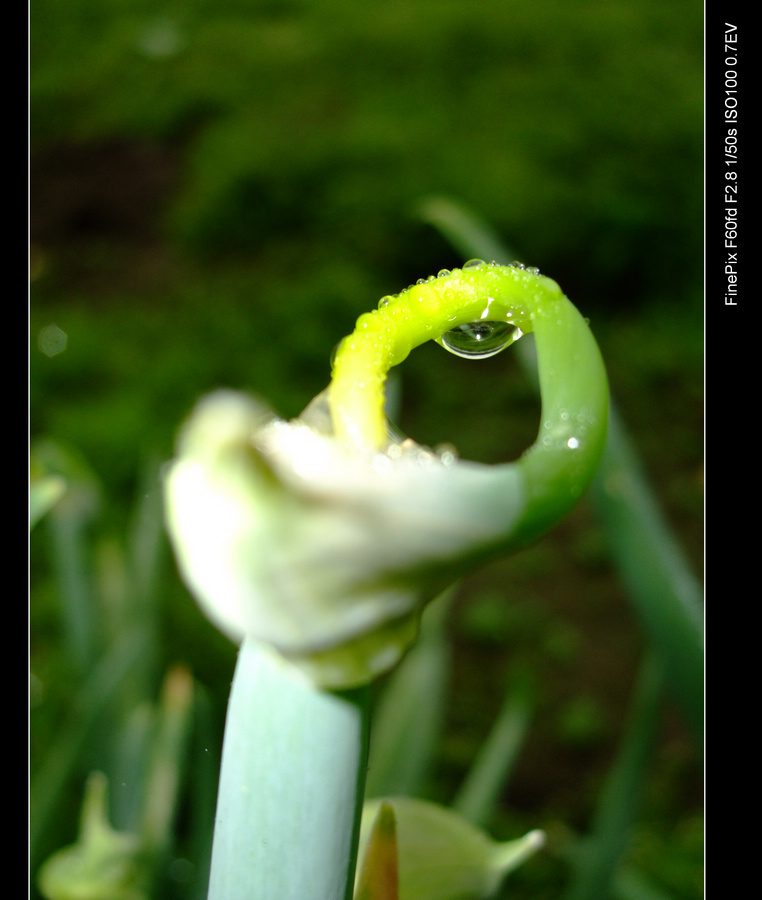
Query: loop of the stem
x=573, y=384
x=425, y=311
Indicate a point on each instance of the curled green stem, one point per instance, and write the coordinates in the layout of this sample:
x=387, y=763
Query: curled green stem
x=573, y=384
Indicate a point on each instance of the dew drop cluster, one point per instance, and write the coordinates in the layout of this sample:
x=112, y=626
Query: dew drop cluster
x=479, y=339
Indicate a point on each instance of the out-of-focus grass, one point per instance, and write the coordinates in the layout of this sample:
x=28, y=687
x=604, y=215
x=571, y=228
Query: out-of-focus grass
x=573, y=126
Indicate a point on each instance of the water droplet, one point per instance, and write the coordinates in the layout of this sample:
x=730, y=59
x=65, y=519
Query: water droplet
x=335, y=352
x=474, y=264
x=52, y=340
x=447, y=454
x=385, y=301
x=481, y=339
x=443, y=273
x=161, y=39
x=424, y=456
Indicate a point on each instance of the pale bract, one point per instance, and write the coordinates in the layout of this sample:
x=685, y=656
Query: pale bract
x=322, y=551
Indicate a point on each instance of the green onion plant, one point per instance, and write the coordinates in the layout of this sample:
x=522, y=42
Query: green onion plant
x=317, y=544
x=328, y=548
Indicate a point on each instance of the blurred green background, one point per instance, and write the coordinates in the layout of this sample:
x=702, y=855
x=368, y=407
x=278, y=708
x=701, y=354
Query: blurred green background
x=218, y=189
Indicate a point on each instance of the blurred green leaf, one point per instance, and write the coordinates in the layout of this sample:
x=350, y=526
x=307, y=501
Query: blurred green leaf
x=444, y=857
x=44, y=493
x=408, y=718
x=665, y=594
x=486, y=779
x=597, y=857
x=97, y=695
x=378, y=877
x=68, y=523
x=102, y=864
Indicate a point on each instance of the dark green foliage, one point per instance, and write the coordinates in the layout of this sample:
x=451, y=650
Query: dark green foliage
x=574, y=127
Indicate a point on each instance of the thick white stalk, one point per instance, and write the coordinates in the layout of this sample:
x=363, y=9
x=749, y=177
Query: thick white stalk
x=293, y=770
